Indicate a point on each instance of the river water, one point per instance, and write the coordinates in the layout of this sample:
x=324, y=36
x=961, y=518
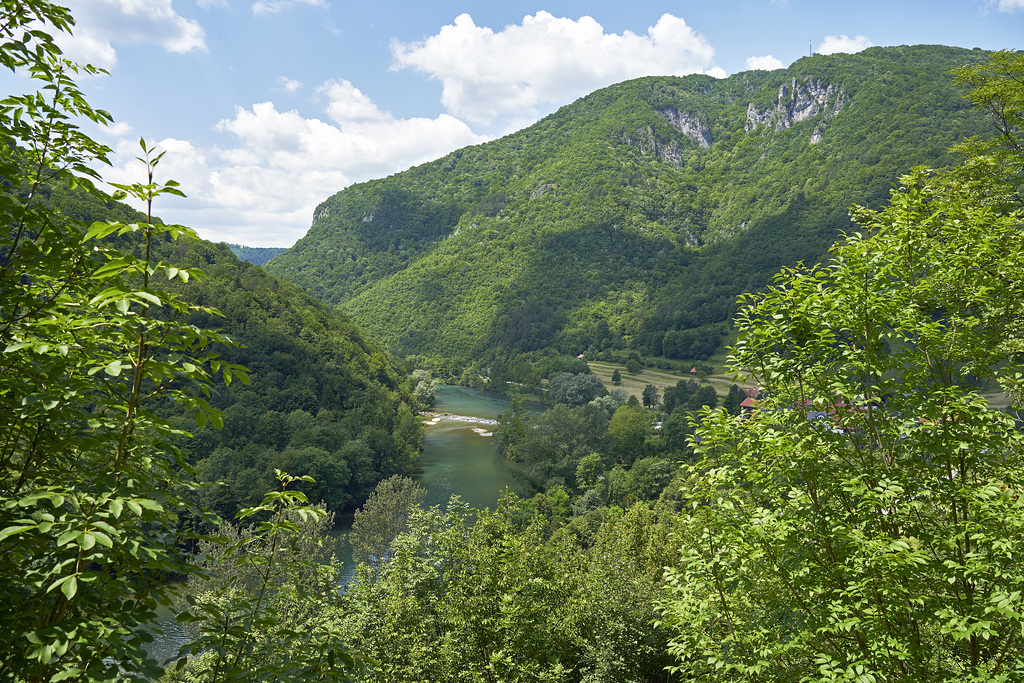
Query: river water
x=459, y=457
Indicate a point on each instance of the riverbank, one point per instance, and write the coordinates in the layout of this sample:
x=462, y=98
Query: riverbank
x=434, y=418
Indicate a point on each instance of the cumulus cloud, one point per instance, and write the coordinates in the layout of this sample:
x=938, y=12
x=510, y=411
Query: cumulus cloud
x=545, y=60
x=1010, y=5
x=102, y=23
x=765, y=63
x=118, y=129
x=843, y=43
x=289, y=84
x=261, y=186
x=276, y=6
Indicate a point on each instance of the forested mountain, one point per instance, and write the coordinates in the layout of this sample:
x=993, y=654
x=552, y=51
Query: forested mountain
x=324, y=399
x=633, y=217
x=254, y=255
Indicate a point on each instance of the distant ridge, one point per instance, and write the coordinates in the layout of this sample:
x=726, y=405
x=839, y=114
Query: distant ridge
x=255, y=255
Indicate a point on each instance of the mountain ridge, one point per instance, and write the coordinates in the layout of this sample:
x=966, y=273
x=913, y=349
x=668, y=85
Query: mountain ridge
x=633, y=215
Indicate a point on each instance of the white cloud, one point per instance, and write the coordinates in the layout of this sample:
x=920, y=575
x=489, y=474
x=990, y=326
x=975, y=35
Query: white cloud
x=207, y=4
x=276, y=6
x=99, y=24
x=546, y=60
x=1010, y=5
x=289, y=84
x=843, y=43
x=765, y=63
x=118, y=129
x=261, y=186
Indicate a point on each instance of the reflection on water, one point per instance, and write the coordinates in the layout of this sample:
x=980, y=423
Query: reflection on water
x=466, y=401
x=456, y=460
x=459, y=460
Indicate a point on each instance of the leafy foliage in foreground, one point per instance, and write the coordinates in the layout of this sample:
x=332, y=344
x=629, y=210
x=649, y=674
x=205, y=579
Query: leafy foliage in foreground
x=866, y=524
x=91, y=482
x=260, y=607
x=101, y=341
x=609, y=224
x=511, y=595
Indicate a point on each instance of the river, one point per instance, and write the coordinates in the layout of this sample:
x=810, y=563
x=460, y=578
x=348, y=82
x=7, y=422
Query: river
x=459, y=457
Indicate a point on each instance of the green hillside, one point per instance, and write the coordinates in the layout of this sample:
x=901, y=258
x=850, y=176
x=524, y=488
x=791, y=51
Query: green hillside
x=324, y=399
x=633, y=217
x=254, y=255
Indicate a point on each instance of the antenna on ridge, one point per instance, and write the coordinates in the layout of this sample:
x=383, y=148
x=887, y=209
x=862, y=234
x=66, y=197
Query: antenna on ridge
x=810, y=50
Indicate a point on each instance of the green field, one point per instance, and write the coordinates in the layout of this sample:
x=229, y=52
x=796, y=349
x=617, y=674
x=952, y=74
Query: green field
x=635, y=384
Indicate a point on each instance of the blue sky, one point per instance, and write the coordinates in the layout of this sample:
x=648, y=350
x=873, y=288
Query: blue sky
x=267, y=107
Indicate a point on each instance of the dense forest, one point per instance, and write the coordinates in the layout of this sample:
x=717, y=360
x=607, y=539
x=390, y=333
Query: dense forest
x=861, y=521
x=632, y=218
x=322, y=398
x=257, y=256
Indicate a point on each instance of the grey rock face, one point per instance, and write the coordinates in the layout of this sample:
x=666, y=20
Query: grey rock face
x=798, y=103
x=689, y=125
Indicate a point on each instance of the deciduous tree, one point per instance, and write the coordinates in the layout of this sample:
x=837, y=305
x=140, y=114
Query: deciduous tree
x=384, y=515
x=880, y=541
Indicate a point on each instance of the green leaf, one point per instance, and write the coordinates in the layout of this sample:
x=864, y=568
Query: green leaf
x=102, y=539
x=150, y=297
x=69, y=587
x=72, y=672
x=99, y=230
x=16, y=529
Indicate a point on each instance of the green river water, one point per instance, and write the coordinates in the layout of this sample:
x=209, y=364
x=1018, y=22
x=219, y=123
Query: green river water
x=457, y=459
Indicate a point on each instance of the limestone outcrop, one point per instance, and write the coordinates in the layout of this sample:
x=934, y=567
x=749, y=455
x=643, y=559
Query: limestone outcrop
x=689, y=125
x=798, y=102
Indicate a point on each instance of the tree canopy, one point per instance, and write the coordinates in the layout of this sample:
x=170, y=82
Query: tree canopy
x=865, y=522
x=108, y=357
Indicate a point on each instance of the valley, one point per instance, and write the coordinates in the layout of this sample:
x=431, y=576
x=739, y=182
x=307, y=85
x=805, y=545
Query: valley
x=184, y=434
